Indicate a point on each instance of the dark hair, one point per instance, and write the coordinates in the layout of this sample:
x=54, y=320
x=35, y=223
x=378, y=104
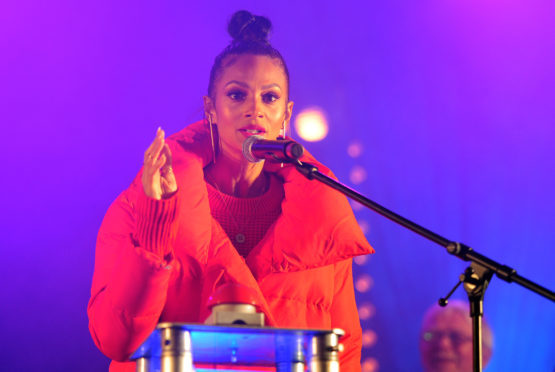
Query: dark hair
x=250, y=36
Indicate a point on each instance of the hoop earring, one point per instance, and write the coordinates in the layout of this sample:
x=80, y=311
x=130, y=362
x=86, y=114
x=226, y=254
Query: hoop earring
x=282, y=135
x=212, y=139
x=282, y=131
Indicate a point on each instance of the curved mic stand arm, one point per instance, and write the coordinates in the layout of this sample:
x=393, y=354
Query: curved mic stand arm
x=457, y=249
x=476, y=277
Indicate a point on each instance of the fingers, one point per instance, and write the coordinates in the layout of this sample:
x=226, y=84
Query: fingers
x=158, y=178
x=167, y=181
x=152, y=153
x=166, y=154
x=166, y=185
x=158, y=164
x=166, y=151
x=151, y=167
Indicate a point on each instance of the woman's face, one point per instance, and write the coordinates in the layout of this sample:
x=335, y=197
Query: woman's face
x=250, y=98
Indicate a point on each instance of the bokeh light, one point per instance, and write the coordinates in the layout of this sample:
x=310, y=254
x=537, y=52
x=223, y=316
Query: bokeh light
x=364, y=226
x=356, y=205
x=357, y=175
x=363, y=283
x=369, y=338
x=354, y=150
x=311, y=124
x=370, y=365
x=361, y=260
x=366, y=310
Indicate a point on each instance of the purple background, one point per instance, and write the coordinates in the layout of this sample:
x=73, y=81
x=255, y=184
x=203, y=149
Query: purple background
x=452, y=101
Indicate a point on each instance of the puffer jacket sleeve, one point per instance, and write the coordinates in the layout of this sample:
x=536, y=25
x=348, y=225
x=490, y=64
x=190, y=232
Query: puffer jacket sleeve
x=136, y=249
x=344, y=315
x=133, y=265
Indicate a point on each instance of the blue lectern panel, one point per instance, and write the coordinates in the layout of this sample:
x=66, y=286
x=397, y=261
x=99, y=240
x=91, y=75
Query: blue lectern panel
x=237, y=345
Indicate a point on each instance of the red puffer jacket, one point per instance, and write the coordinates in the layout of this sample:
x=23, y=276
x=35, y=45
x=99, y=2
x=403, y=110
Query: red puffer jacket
x=300, y=271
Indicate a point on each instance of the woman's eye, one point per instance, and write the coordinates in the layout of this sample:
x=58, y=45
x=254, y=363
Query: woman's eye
x=270, y=97
x=236, y=95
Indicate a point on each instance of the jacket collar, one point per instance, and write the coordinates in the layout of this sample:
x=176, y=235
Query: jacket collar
x=316, y=228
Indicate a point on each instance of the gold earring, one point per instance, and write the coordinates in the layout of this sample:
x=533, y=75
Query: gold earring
x=282, y=131
x=282, y=135
x=212, y=139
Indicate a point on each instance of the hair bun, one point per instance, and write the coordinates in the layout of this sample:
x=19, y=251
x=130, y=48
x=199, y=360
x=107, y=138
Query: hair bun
x=244, y=26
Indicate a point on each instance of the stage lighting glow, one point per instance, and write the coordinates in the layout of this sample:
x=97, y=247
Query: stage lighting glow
x=364, y=283
x=356, y=205
x=369, y=338
x=354, y=150
x=370, y=365
x=311, y=124
x=364, y=226
x=366, y=311
x=361, y=260
x=357, y=175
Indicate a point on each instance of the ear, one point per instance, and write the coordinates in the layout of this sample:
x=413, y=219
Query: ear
x=209, y=109
x=486, y=355
x=288, y=114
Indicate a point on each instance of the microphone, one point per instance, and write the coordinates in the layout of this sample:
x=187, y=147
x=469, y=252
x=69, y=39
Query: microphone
x=256, y=149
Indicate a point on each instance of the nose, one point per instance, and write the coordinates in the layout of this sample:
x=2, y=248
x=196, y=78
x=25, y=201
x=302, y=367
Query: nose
x=254, y=110
x=444, y=342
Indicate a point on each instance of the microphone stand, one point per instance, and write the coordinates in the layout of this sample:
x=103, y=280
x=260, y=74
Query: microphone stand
x=476, y=277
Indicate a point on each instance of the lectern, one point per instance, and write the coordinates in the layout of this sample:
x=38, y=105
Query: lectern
x=180, y=347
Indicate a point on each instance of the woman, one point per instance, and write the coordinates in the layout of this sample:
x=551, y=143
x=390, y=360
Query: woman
x=199, y=215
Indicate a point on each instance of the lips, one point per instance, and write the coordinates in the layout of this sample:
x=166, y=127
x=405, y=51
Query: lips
x=252, y=130
x=443, y=359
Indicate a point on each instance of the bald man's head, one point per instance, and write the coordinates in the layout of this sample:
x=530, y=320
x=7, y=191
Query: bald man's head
x=446, y=339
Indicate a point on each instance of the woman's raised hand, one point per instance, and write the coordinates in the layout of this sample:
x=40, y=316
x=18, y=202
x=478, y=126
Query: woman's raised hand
x=158, y=178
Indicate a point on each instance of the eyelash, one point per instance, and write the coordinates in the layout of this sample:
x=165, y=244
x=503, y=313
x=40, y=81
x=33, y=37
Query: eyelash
x=236, y=95
x=270, y=97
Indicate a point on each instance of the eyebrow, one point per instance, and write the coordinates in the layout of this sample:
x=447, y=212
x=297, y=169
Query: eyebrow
x=272, y=85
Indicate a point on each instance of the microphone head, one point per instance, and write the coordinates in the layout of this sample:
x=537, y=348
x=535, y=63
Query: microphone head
x=247, y=148
x=294, y=150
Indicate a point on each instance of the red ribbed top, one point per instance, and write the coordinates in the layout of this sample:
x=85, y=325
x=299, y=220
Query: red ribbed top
x=154, y=224
x=247, y=218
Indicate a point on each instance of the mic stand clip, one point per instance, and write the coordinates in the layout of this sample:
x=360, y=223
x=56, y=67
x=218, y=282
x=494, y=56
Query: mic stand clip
x=475, y=280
